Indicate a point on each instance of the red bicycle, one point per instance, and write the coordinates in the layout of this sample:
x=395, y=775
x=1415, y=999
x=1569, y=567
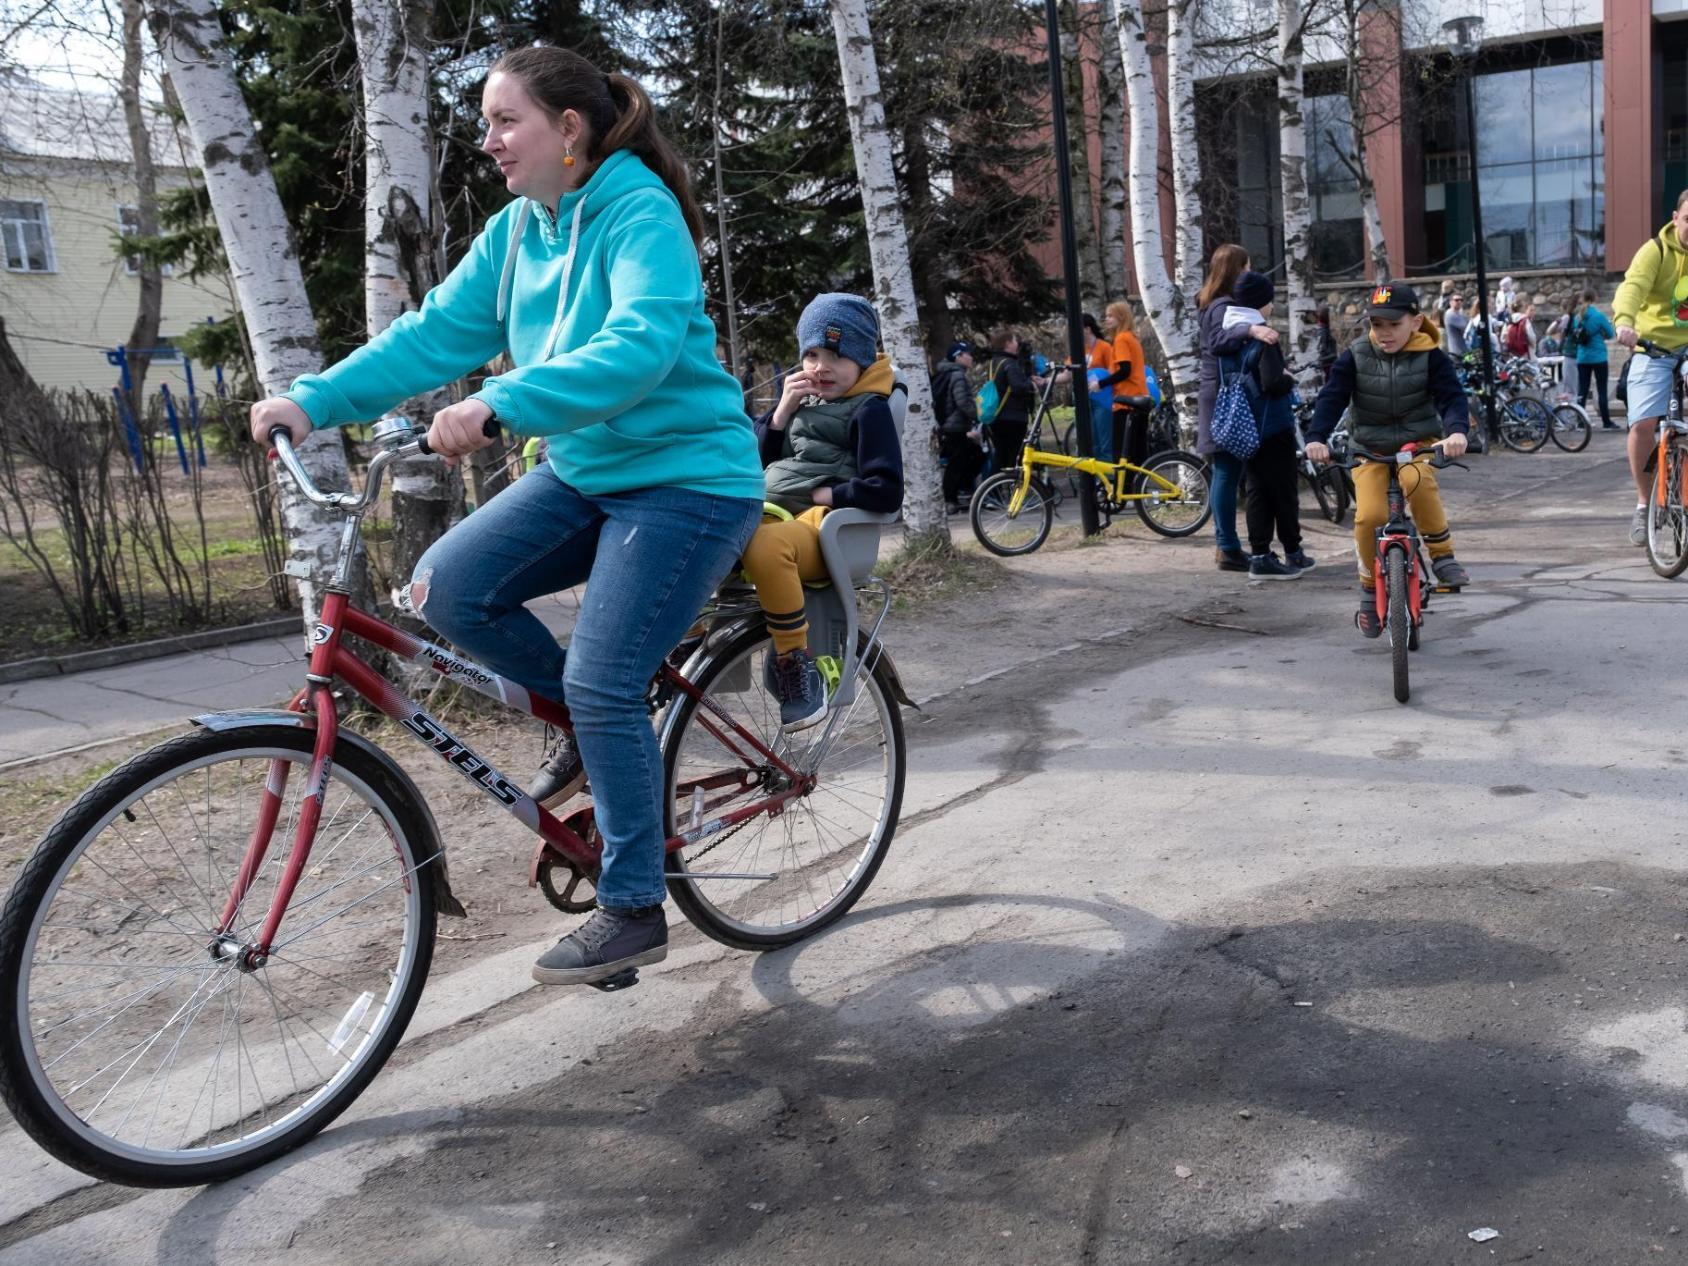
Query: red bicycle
x=1401, y=575
x=217, y=946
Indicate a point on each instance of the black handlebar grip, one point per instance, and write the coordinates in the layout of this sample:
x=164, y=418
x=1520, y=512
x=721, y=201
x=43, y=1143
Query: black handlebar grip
x=489, y=428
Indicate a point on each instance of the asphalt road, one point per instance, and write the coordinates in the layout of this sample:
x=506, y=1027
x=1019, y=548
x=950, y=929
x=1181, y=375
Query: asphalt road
x=1194, y=946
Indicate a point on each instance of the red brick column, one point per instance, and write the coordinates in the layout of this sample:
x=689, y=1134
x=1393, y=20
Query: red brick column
x=1632, y=153
x=1386, y=144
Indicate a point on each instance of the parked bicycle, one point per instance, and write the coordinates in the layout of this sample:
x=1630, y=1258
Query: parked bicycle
x=218, y=945
x=1401, y=575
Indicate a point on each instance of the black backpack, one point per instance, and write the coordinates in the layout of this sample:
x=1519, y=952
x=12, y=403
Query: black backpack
x=1575, y=335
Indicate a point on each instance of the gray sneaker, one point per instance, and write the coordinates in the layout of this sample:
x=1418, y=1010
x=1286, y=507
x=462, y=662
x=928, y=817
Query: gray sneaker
x=608, y=943
x=562, y=775
x=1638, y=527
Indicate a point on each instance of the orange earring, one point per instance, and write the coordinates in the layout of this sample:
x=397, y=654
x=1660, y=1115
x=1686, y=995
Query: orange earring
x=568, y=157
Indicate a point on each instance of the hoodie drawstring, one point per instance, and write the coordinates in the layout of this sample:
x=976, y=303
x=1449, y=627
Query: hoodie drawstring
x=507, y=281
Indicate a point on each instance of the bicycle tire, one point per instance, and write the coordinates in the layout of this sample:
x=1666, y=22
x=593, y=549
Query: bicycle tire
x=1331, y=493
x=1667, y=522
x=732, y=683
x=1525, y=424
x=1400, y=623
x=28, y=935
x=992, y=523
x=1185, y=516
x=1571, y=430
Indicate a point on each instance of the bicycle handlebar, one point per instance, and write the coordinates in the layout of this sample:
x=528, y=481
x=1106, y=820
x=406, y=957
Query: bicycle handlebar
x=282, y=441
x=1661, y=353
x=1405, y=457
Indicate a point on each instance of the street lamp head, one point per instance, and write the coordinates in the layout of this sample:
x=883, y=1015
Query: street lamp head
x=1465, y=37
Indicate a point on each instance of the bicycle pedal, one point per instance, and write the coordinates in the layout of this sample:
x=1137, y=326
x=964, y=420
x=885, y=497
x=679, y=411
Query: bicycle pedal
x=1447, y=588
x=624, y=979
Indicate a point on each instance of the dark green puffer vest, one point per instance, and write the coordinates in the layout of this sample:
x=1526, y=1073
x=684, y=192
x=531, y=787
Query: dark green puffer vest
x=1392, y=404
x=817, y=451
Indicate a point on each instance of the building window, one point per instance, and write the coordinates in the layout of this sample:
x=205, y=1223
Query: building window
x=1338, y=239
x=1260, y=218
x=129, y=224
x=1541, y=164
x=29, y=243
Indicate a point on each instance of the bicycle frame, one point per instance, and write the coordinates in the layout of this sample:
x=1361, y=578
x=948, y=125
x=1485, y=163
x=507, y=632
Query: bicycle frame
x=1111, y=473
x=330, y=658
x=1399, y=533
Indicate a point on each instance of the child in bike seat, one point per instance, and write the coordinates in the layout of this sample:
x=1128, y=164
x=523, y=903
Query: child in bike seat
x=1401, y=389
x=830, y=443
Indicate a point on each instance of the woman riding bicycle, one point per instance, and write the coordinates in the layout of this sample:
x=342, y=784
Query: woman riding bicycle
x=590, y=281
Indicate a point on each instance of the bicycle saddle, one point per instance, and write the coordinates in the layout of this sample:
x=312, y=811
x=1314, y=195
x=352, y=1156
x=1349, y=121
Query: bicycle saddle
x=1143, y=404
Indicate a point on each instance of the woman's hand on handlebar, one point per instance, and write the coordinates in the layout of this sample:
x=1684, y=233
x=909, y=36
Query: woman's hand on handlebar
x=1317, y=452
x=460, y=429
x=267, y=415
x=1627, y=336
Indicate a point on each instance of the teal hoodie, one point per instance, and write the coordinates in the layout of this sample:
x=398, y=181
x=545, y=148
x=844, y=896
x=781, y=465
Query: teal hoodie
x=619, y=374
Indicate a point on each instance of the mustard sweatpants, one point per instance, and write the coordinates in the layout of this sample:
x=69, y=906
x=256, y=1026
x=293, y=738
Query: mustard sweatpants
x=1371, y=511
x=779, y=558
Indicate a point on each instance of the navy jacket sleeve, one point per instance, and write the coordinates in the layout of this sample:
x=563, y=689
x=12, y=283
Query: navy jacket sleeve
x=769, y=441
x=1223, y=342
x=1014, y=377
x=878, y=485
x=1334, y=397
x=1448, y=394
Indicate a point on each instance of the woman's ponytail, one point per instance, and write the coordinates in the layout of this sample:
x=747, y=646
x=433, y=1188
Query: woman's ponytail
x=636, y=129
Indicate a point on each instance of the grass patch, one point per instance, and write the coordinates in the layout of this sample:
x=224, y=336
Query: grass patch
x=924, y=572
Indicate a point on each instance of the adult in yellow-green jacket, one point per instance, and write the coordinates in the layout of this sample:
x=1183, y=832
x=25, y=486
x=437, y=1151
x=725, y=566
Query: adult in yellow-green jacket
x=1652, y=304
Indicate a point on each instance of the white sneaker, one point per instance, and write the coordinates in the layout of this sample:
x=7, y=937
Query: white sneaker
x=1638, y=527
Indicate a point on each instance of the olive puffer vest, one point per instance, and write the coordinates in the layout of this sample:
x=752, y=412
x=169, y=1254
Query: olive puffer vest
x=1392, y=404
x=817, y=451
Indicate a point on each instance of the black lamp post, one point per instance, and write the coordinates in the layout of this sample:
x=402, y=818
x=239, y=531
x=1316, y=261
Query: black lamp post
x=1465, y=41
x=1088, y=520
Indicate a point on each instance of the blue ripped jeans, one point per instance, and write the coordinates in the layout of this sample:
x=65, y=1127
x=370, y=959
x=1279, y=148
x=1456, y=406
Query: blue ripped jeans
x=650, y=559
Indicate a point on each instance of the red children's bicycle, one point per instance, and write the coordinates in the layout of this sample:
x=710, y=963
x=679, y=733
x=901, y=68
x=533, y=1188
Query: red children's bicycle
x=217, y=946
x=1401, y=575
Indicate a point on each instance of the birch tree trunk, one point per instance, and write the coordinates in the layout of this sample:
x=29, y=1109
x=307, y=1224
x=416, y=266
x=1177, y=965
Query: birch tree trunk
x=143, y=335
x=399, y=244
x=1292, y=174
x=1110, y=121
x=1167, y=307
x=1186, y=154
x=1089, y=253
x=263, y=263
x=923, y=500
x=723, y=243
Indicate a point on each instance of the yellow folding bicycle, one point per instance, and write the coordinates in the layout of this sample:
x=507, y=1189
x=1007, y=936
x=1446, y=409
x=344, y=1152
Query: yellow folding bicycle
x=1013, y=510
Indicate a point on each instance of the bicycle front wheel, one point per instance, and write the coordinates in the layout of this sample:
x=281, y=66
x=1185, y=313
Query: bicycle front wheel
x=1400, y=620
x=1525, y=424
x=1667, y=522
x=1000, y=528
x=1182, y=510
x=138, y=1043
x=1571, y=430
x=777, y=878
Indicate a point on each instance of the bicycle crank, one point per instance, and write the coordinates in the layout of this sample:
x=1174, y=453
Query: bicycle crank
x=565, y=885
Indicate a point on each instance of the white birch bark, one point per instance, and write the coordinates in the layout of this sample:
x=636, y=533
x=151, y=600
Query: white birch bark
x=1186, y=154
x=263, y=263
x=893, y=275
x=1169, y=311
x=1292, y=174
x=1110, y=121
x=398, y=234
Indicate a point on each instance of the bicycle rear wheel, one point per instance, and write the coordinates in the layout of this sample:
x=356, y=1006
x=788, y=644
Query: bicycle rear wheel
x=1184, y=511
x=1525, y=424
x=1004, y=532
x=1667, y=522
x=1571, y=430
x=1331, y=493
x=1400, y=622
x=811, y=862
x=138, y=1044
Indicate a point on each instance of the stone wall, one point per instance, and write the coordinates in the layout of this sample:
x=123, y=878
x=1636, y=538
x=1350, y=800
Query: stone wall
x=1553, y=292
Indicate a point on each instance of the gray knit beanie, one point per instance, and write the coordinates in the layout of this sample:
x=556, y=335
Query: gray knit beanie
x=844, y=324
